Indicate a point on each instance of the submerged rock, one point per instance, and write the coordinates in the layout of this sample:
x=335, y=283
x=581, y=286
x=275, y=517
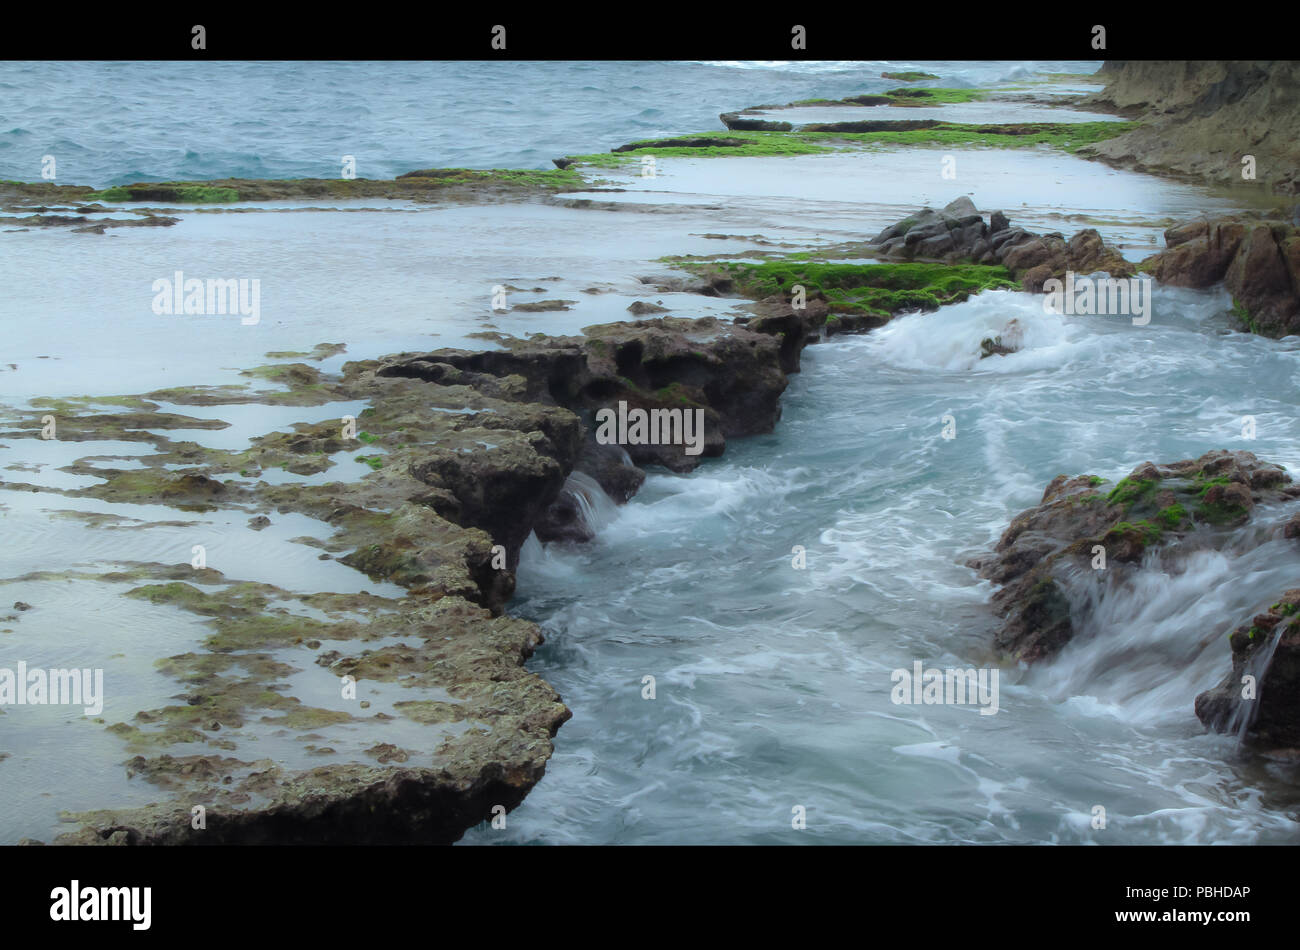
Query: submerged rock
x=641, y=308
x=1009, y=341
x=1075, y=524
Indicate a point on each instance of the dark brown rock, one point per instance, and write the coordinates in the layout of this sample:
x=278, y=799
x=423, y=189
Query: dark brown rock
x=1260, y=699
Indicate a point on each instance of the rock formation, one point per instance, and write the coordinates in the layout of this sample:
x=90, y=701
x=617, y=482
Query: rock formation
x=1201, y=118
x=1075, y=519
x=1265, y=709
x=959, y=232
x=1258, y=262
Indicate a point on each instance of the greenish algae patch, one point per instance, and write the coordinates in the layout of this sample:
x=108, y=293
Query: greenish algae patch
x=184, y=192
x=881, y=289
x=1129, y=490
x=320, y=351
x=411, y=184
x=747, y=145
x=915, y=96
x=909, y=76
x=1068, y=136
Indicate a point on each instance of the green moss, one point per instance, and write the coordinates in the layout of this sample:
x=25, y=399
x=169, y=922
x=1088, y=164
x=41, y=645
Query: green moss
x=1203, y=484
x=367, y=437
x=177, y=593
x=1219, y=513
x=1129, y=490
x=320, y=351
x=413, y=183
x=522, y=177
x=755, y=144
x=933, y=97
x=117, y=193
x=374, y=461
x=189, y=193
x=308, y=717
x=1148, y=532
x=1243, y=316
x=1068, y=136
x=1172, y=517
x=1095, y=480
x=912, y=76
x=880, y=289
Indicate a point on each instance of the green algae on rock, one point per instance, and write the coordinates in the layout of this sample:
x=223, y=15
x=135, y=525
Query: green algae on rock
x=908, y=76
x=432, y=184
x=823, y=138
x=873, y=289
x=933, y=96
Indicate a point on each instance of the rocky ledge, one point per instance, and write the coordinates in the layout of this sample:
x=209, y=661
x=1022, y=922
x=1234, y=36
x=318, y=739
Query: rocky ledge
x=470, y=451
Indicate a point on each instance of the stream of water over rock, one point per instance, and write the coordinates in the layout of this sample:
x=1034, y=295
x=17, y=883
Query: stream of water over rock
x=773, y=684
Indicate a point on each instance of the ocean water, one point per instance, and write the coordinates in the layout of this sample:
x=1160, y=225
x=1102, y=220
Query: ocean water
x=772, y=683
x=112, y=123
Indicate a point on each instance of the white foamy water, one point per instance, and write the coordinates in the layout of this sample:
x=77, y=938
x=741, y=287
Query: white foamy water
x=773, y=684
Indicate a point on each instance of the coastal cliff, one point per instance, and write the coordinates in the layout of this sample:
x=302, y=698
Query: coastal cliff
x=1199, y=119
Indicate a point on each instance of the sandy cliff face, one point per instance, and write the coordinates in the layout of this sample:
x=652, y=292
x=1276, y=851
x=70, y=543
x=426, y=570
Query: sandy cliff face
x=1201, y=118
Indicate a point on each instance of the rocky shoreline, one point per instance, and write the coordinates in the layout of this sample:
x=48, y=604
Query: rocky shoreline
x=473, y=451
x=442, y=516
